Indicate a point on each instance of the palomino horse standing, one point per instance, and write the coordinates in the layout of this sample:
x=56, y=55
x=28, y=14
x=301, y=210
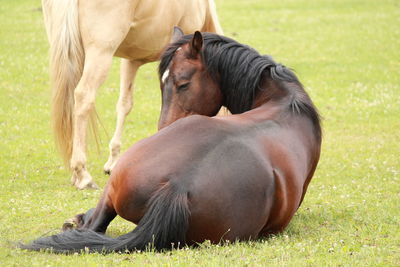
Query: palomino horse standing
x=84, y=36
x=237, y=177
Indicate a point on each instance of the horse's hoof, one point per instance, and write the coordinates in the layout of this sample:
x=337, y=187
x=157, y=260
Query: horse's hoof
x=108, y=168
x=74, y=179
x=110, y=164
x=84, y=181
x=69, y=224
x=90, y=185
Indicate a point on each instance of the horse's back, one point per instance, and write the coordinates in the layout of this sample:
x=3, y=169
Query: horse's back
x=231, y=184
x=228, y=179
x=192, y=153
x=257, y=174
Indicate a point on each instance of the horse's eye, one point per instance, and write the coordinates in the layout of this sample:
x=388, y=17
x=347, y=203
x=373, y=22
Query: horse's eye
x=183, y=87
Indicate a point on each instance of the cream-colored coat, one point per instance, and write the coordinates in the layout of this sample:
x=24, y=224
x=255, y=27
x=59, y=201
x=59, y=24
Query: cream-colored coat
x=84, y=35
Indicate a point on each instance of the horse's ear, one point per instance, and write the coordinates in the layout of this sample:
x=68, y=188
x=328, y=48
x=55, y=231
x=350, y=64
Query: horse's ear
x=196, y=44
x=176, y=34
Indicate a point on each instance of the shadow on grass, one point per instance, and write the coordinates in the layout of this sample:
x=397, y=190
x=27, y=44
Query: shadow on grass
x=307, y=223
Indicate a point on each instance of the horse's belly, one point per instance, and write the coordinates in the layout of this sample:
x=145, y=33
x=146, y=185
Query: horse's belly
x=144, y=42
x=151, y=29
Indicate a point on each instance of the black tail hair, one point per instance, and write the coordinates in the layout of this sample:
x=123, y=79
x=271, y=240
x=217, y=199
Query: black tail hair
x=163, y=226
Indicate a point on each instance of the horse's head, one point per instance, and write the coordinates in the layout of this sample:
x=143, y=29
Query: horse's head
x=187, y=88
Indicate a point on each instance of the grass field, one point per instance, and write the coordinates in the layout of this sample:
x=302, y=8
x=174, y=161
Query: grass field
x=347, y=54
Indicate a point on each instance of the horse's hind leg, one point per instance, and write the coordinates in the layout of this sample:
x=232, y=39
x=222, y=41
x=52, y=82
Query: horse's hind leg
x=103, y=28
x=97, y=64
x=124, y=106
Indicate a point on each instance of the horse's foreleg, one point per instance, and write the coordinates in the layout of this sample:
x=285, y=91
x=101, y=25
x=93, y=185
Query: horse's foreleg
x=97, y=64
x=124, y=106
x=78, y=220
x=96, y=219
x=101, y=218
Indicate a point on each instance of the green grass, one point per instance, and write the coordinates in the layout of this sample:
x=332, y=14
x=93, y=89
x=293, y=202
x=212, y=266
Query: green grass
x=347, y=54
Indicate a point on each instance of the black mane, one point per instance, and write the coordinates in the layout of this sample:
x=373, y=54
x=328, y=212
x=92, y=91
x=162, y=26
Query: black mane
x=239, y=70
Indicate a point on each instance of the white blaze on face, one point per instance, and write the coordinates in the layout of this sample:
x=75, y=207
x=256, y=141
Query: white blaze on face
x=165, y=76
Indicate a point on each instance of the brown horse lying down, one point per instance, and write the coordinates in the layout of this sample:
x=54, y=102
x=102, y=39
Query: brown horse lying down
x=237, y=177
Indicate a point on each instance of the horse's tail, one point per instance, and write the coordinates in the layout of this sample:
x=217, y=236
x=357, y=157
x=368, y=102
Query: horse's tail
x=66, y=65
x=163, y=226
x=212, y=23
